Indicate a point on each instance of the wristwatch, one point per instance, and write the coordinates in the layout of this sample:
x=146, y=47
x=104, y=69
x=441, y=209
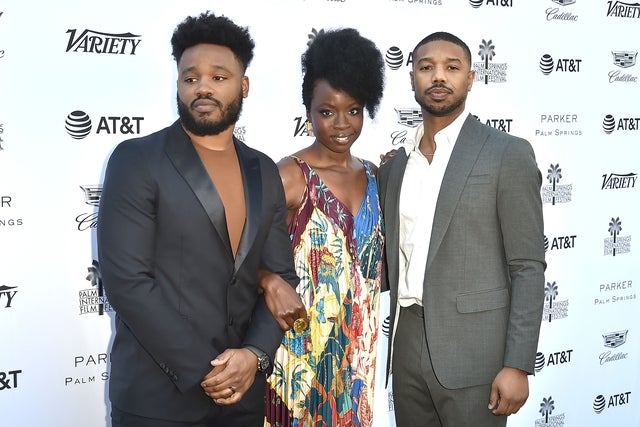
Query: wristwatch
x=264, y=363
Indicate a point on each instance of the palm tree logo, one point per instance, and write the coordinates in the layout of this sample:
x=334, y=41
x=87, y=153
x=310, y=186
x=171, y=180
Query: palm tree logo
x=554, y=176
x=487, y=52
x=615, y=227
x=546, y=408
x=95, y=278
x=550, y=293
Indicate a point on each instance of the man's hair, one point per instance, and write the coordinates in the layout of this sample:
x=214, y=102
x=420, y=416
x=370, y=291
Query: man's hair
x=447, y=37
x=218, y=30
x=349, y=62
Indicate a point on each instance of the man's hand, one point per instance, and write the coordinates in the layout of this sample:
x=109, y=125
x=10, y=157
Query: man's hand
x=384, y=158
x=233, y=373
x=283, y=301
x=509, y=391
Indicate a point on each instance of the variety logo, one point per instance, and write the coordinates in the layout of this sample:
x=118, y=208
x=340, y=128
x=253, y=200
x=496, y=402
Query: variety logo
x=5, y=203
x=622, y=291
x=623, y=59
x=93, y=300
x=7, y=293
x=302, y=127
x=556, y=193
x=609, y=124
x=616, y=244
x=89, y=41
x=558, y=120
x=562, y=65
x=78, y=125
x=9, y=379
x=554, y=359
x=615, y=181
x=621, y=9
x=546, y=409
x=554, y=13
x=554, y=310
x=502, y=3
x=85, y=362
x=489, y=72
x=89, y=220
x=613, y=340
x=600, y=403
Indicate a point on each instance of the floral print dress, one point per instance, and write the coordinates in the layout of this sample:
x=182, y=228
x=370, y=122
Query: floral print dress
x=324, y=376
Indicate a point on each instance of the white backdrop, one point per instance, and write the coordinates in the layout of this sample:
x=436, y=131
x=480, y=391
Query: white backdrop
x=560, y=73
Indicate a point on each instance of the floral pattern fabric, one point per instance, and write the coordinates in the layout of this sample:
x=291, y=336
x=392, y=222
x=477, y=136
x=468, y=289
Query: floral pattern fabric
x=324, y=376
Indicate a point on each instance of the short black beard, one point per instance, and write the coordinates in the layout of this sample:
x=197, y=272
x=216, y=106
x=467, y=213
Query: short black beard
x=230, y=116
x=440, y=111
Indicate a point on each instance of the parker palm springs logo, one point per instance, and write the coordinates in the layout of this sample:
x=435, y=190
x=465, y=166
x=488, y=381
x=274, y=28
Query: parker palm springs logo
x=489, y=72
x=616, y=244
x=93, y=300
x=553, y=309
x=556, y=193
x=547, y=406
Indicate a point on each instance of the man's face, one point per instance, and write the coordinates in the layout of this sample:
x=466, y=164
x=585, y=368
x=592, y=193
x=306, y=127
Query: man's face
x=441, y=78
x=211, y=88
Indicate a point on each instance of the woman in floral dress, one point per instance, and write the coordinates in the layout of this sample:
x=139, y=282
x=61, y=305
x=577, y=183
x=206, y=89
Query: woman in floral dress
x=324, y=375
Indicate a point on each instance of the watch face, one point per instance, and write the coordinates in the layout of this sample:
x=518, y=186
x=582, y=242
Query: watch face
x=264, y=363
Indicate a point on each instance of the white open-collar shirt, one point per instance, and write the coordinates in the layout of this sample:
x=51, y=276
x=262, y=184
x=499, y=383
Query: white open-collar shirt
x=418, y=197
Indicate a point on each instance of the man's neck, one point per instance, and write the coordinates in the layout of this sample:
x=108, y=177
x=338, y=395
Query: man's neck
x=219, y=142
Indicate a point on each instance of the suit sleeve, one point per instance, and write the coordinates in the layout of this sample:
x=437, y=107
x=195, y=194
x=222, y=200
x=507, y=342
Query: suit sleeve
x=277, y=257
x=521, y=222
x=126, y=244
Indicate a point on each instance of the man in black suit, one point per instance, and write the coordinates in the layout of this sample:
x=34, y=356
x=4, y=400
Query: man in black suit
x=188, y=216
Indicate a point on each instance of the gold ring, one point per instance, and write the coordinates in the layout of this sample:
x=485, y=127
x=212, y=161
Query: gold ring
x=300, y=325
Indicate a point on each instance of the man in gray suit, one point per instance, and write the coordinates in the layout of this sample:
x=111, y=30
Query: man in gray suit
x=188, y=216
x=465, y=255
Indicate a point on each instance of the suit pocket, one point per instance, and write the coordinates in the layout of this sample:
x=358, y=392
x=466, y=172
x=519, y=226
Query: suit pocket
x=479, y=179
x=473, y=302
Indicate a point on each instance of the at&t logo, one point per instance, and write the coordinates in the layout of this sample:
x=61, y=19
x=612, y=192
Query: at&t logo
x=78, y=125
x=9, y=379
x=600, y=403
x=502, y=3
x=609, y=124
x=557, y=358
x=562, y=65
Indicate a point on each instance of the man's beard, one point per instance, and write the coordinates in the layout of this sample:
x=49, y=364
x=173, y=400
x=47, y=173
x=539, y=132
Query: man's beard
x=204, y=126
x=438, y=110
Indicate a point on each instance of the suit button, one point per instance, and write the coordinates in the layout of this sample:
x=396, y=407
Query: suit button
x=230, y=321
x=233, y=281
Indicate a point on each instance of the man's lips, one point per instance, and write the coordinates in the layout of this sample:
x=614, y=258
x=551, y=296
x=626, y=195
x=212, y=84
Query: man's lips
x=204, y=105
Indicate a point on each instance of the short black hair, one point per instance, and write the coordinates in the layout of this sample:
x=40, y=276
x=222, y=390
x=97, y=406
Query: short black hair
x=219, y=30
x=447, y=37
x=349, y=62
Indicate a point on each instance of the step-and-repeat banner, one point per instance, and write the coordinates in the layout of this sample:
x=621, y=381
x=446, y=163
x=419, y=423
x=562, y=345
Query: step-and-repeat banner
x=78, y=77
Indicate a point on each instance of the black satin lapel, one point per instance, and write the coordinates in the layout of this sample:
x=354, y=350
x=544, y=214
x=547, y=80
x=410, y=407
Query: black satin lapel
x=464, y=155
x=188, y=164
x=252, y=178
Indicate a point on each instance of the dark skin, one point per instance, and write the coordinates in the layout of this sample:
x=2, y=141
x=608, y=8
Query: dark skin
x=337, y=121
x=207, y=69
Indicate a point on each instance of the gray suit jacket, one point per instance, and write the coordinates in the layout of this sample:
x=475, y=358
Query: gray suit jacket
x=484, y=279
x=168, y=270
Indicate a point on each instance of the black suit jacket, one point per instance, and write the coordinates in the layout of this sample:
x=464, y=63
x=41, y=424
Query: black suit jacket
x=167, y=267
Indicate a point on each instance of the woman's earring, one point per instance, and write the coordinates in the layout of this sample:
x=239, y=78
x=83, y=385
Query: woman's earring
x=309, y=127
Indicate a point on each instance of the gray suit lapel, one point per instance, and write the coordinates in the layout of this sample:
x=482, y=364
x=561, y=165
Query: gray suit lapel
x=464, y=155
x=188, y=164
x=391, y=204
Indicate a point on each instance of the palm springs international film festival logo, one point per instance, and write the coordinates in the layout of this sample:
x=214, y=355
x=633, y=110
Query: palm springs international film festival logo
x=547, y=406
x=93, y=300
x=556, y=193
x=610, y=123
x=554, y=309
x=623, y=59
x=493, y=72
x=89, y=41
x=616, y=244
x=613, y=340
